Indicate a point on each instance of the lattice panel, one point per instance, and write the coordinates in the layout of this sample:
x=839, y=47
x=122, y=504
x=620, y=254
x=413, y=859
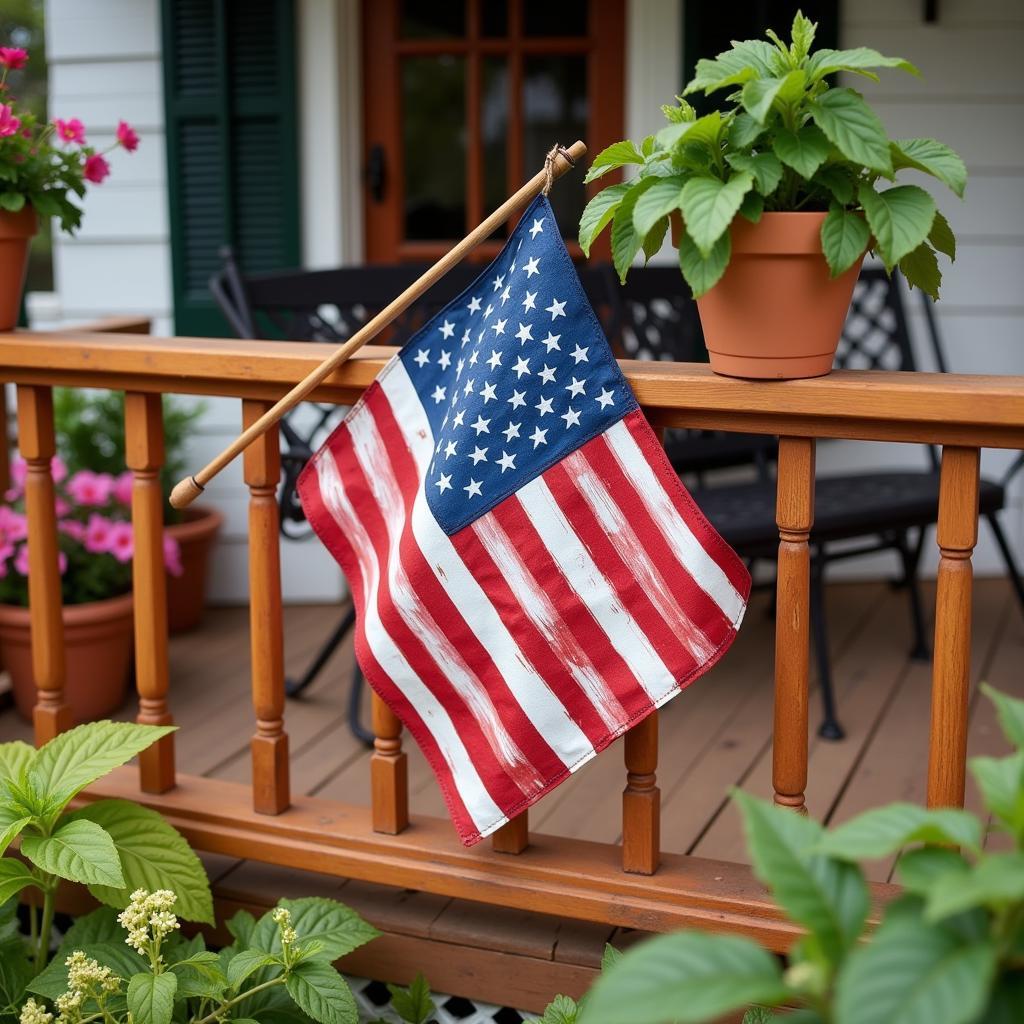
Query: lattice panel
x=372, y=998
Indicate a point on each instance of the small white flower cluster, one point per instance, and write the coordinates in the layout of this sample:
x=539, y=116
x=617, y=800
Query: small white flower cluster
x=86, y=975
x=282, y=917
x=148, y=918
x=33, y=1013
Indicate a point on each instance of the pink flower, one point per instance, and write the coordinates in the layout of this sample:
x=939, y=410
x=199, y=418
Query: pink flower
x=72, y=528
x=127, y=136
x=95, y=169
x=172, y=556
x=123, y=488
x=70, y=131
x=121, y=542
x=13, y=525
x=9, y=124
x=58, y=469
x=88, y=488
x=21, y=561
x=14, y=58
x=98, y=531
x=61, y=507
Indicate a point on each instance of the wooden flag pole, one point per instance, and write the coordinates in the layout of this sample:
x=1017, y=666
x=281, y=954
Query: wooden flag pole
x=559, y=161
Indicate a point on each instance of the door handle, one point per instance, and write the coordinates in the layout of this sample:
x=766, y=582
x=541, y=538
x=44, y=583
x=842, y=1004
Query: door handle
x=376, y=172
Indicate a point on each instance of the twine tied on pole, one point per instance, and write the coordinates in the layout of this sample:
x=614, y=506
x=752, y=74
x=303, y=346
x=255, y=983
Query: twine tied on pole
x=549, y=165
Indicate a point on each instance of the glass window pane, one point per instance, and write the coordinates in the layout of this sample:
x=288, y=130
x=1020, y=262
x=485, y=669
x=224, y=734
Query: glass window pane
x=493, y=18
x=494, y=132
x=555, y=110
x=560, y=18
x=434, y=137
x=427, y=19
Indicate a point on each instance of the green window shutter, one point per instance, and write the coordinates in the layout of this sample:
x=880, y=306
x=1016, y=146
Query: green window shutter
x=232, y=165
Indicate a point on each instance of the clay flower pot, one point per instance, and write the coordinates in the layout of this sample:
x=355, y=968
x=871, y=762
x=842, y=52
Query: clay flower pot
x=186, y=594
x=776, y=312
x=16, y=231
x=98, y=647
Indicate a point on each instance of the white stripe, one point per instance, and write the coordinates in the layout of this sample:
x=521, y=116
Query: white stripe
x=593, y=589
x=474, y=795
x=620, y=532
x=541, y=706
x=706, y=572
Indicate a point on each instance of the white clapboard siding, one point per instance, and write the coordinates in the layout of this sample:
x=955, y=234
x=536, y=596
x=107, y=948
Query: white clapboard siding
x=90, y=29
x=876, y=14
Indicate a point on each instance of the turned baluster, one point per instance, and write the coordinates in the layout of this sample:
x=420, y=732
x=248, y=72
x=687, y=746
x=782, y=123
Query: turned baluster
x=51, y=715
x=144, y=455
x=794, y=515
x=389, y=772
x=641, y=799
x=513, y=836
x=262, y=470
x=956, y=533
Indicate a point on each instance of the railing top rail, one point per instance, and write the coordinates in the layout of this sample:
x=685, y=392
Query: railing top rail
x=955, y=409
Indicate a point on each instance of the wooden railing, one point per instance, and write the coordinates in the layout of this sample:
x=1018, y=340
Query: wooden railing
x=635, y=885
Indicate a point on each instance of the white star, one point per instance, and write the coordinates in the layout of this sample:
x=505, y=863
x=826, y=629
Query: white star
x=580, y=355
x=422, y=357
x=507, y=461
x=506, y=294
x=474, y=304
x=547, y=375
x=447, y=330
x=473, y=357
x=537, y=229
x=528, y=302
x=449, y=449
x=522, y=366
x=488, y=311
x=499, y=326
x=531, y=266
x=480, y=336
x=444, y=360
x=544, y=406
x=459, y=367
x=577, y=387
x=572, y=418
x=605, y=398
x=472, y=488
x=556, y=309
x=499, y=282
x=524, y=333
x=478, y=455
x=518, y=399
x=551, y=342
x=459, y=416
x=538, y=437
x=488, y=393
x=439, y=443
x=439, y=394
x=512, y=430
x=480, y=425
x=465, y=337
x=445, y=483
x=494, y=359
x=469, y=389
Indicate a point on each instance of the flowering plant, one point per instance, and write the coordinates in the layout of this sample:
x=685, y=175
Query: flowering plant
x=94, y=533
x=45, y=164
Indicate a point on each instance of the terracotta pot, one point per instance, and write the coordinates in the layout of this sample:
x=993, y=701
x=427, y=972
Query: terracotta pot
x=98, y=646
x=776, y=312
x=186, y=594
x=16, y=231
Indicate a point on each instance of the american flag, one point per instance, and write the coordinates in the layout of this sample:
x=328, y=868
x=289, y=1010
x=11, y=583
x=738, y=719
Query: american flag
x=531, y=579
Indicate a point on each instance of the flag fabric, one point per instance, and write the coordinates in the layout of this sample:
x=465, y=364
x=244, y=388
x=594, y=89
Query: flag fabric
x=531, y=579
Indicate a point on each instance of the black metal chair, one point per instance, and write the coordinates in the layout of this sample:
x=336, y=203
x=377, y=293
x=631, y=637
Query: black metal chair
x=857, y=513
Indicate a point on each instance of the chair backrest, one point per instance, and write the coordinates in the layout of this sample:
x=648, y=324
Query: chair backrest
x=875, y=335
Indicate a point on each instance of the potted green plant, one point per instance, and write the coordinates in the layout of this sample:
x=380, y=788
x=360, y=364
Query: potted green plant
x=777, y=194
x=90, y=436
x=43, y=171
x=96, y=545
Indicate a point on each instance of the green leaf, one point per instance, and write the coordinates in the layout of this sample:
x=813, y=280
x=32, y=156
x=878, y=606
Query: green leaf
x=802, y=35
x=919, y=869
x=744, y=131
x=339, y=928
x=660, y=199
x=688, y=976
x=626, y=240
x=765, y=168
x=884, y=830
x=74, y=759
x=241, y=925
x=14, y=877
x=709, y=206
x=900, y=219
x=729, y=68
x=860, y=59
x=914, y=973
x=1010, y=711
x=153, y=856
x=599, y=212
x=12, y=201
x=941, y=236
x=320, y=991
x=413, y=1004
x=100, y=926
x=1001, y=781
x=761, y=94
x=995, y=882
x=151, y=997
x=561, y=1010
x=844, y=237
x=15, y=757
x=79, y=851
x=921, y=269
x=701, y=273
x=247, y=962
x=619, y=154
x=932, y=157
x=655, y=238
x=610, y=956
x=199, y=975
x=1007, y=1003
x=853, y=128
x=9, y=831
x=828, y=897
x=804, y=150
x=752, y=207
x=837, y=181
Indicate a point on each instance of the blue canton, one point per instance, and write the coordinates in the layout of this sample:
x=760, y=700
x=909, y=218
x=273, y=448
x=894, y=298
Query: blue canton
x=514, y=375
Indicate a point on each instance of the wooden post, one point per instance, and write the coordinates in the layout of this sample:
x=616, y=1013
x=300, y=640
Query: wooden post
x=641, y=799
x=513, y=836
x=51, y=714
x=144, y=455
x=794, y=514
x=389, y=772
x=270, y=782
x=957, y=533
x=5, y=441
